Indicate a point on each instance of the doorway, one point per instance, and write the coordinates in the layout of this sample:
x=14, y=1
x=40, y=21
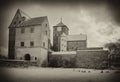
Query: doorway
x=27, y=57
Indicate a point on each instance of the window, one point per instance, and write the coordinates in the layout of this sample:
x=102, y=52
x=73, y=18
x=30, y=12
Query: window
x=31, y=43
x=35, y=58
x=19, y=21
x=14, y=23
x=46, y=25
x=46, y=32
x=43, y=44
x=22, y=44
x=32, y=30
x=22, y=30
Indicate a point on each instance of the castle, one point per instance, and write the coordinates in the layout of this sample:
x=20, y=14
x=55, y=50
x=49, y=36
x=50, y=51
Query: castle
x=29, y=39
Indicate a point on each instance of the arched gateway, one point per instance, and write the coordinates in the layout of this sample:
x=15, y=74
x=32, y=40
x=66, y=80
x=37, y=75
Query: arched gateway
x=27, y=57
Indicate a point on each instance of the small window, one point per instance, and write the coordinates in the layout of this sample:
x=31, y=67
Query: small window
x=46, y=32
x=35, y=58
x=46, y=25
x=23, y=30
x=22, y=44
x=19, y=21
x=16, y=18
x=14, y=23
x=32, y=30
x=43, y=44
x=32, y=44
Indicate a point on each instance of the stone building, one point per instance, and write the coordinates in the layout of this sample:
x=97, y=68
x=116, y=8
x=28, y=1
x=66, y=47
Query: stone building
x=62, y=41
x=58, y=30
x=73, y=42
x=18, y=18
x=81, y=58
x=29, y=38
x=72, y=50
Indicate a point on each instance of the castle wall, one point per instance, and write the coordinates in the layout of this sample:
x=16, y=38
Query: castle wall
x=83, y=58
x=92, y=58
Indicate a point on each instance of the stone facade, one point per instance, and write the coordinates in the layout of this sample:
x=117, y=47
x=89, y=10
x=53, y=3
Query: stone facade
x=83, y=58
x=11, y=46
x=58, y=30
x=73, y=42
x=32, y=40
x=92, y=58
x=76, y=45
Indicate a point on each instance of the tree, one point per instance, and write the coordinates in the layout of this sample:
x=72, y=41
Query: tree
x=114, y=53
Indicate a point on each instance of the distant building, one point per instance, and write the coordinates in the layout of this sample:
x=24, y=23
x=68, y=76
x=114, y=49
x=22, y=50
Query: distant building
x=29, y=39
x=73, y=48
x=73, y=42
x=58, y=30
x=62, y=41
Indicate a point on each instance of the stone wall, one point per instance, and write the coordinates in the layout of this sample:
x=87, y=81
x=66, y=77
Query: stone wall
x=36, y=54
x=92, y=58
x=81, y=59
x=76, y=45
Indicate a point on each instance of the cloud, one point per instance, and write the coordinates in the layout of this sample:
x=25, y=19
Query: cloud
x=94, y=20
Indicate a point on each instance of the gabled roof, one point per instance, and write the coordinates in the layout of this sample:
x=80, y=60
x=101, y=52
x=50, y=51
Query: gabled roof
x=33, y=21
x=76, y=37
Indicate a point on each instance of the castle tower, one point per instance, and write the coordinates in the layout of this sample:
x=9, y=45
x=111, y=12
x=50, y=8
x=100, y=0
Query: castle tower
x=58, y=30
x=17, y=19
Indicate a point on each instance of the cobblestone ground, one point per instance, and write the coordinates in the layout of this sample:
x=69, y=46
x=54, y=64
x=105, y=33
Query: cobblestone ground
x=34, y=74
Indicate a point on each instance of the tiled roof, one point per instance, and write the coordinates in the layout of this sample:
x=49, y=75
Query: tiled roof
x=76, y=37
x=60, y=24
x=32, y=21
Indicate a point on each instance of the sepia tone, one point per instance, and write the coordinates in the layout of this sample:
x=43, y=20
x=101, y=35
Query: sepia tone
x=60, y=41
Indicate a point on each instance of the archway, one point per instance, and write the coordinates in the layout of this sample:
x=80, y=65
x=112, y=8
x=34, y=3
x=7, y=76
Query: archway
x=27, y=57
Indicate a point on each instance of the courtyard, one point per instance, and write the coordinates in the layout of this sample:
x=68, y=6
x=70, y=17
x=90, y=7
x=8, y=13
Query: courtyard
x=38, y=74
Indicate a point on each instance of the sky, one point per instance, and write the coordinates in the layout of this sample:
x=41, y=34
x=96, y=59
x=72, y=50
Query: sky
x=96, y=20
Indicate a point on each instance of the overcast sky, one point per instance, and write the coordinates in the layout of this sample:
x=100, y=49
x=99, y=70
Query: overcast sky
x=95, y=20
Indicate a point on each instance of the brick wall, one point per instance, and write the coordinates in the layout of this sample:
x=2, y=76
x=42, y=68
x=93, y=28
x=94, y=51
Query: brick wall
x=92, y=58
x=76, y=45
x=82, y=58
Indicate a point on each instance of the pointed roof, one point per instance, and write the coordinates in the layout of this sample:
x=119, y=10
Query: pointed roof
x=33, y=21
x=19, y=15
x=60, y=24
x=23, y=14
